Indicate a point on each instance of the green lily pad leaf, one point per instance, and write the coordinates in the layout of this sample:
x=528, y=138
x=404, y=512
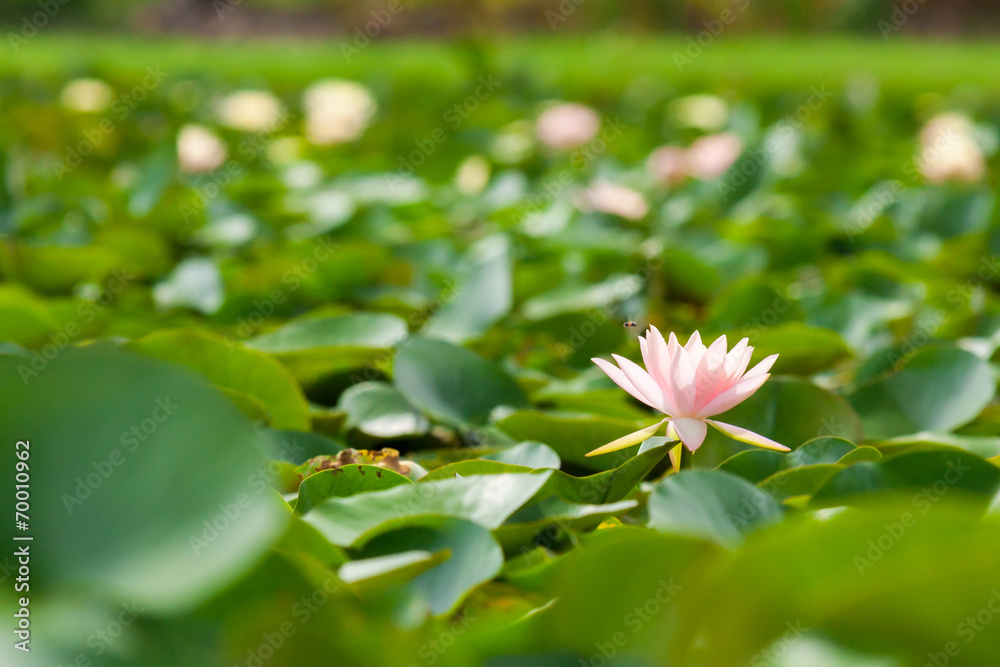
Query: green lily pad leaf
x=788, y=410
x=379, y=410
x=608, y=486
x=475, y=558
x=755, y=465
x=573, y=435
x=528, y=521
x=111, y=434
x=343, y=482
x=314, y=347
x=570, y=299
x=389, y=570
x=929, y=477
x=451, y=383
x=528, y=454
x=710, y=504
x=938, y=389
x=471, y=467
x=236, y=368
x=801, y=481
x=648, y=585
x=859, y=455
x=483, y=295
x=982, y=446
x=749, y=304
x=802, y=349
x=856, y=577
x=487, y=500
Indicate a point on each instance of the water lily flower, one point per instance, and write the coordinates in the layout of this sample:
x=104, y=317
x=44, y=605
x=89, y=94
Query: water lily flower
x=689, y=384
x=567, y=126
x=614, y=199
x=712, y=156
x=199, y=149
x=949, y=152
x=337, y=111
x=250, y=111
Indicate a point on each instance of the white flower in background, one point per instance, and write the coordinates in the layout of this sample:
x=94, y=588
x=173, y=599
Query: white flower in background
x=668, y=165
x=712, y=156
x=250, y=111
x=337, y=111
x=949, y=152
x=567, y=126
x=473, y=175
x=194, y=283
x=704, y=112
x=86, y=96
x=199, y=149
x=614, y=199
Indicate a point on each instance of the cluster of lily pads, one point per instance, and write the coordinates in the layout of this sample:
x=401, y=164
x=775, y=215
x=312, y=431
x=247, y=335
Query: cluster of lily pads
x=307, y=373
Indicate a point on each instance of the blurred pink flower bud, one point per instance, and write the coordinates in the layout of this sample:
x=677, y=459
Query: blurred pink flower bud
x=567, y=126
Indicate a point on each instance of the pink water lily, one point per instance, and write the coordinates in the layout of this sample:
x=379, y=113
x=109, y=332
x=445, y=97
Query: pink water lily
x=689, y=384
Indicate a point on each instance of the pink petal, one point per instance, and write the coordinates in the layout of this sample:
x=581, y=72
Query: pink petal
x=711, y=380
x=682, y=382
x=735, y=357
x=628, y=440
x=695, y=348
x=763, y=367
x=691, y=431
x=733, y=396
x=747, y=436
x=618, y=377
x=641, y=380
x=658, y=366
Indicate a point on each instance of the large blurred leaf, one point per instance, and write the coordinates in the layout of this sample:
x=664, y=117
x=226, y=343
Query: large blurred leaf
x=115, y=436
x=869, y=580
x=451, y=383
